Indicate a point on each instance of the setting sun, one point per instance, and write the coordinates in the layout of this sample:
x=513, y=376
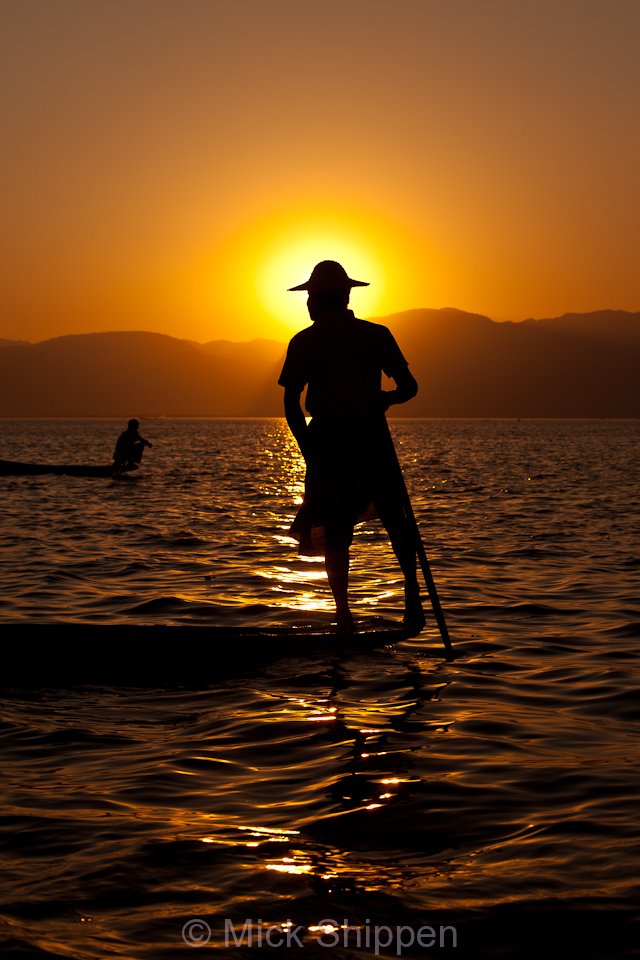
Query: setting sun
x=278, y=251
x=293, y=258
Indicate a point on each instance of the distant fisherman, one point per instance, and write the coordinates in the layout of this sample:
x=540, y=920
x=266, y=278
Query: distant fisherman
x=129, y=448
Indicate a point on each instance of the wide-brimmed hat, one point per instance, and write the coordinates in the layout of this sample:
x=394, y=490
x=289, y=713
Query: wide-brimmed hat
x=329, y=275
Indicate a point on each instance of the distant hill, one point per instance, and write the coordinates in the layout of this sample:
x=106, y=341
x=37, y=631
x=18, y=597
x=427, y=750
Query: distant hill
x=138, y=374
x=578, y=365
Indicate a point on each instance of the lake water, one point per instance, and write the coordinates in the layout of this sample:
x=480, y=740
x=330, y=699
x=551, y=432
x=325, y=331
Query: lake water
x=495, y=795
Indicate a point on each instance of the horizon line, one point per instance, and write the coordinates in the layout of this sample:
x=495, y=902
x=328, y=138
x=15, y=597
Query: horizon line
x=10, y=341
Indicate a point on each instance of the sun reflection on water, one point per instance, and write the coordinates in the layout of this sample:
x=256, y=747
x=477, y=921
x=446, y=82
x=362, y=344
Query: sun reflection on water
x=290, y=865
x=293, y=587
x=325, y=929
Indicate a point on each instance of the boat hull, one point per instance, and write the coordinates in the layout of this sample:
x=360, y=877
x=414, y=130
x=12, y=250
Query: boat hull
x=13, y=468
x=68, y=654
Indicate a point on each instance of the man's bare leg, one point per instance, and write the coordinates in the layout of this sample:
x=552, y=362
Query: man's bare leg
x=336, y=562
x=403, y=543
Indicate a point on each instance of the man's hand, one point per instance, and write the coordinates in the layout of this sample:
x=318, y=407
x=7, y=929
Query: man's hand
x=406, y=389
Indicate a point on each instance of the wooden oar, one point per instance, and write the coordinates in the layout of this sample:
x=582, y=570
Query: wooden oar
x=421, y=553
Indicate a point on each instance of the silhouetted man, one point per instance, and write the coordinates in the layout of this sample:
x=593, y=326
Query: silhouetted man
x=352, y=472
x=129, y=448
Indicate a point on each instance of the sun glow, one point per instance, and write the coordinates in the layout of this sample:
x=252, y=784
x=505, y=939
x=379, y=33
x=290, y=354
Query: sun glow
x=292, y=260
x=267, y=256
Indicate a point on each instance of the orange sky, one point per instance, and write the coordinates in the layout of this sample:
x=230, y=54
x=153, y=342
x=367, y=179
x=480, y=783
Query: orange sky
x=174, y=165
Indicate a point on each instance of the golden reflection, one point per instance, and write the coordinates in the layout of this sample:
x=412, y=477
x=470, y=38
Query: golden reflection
x=292, y=576
x=286, y=542
x=314, y=710
x=290, y=865
x=273, y=832
x=290, y=582
x=377, y=594
x=323, y=716
x=325, y=928
x=261, y=835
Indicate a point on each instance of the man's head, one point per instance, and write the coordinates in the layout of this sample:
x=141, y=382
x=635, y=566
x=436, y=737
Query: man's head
x=329, y=287
x=323, y=304
x=133, y=425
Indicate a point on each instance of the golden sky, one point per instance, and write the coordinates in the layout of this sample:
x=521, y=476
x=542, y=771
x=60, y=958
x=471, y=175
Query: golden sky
x=175, y=165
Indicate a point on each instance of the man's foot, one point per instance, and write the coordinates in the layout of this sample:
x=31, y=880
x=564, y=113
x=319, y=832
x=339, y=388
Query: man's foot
x=344, y=623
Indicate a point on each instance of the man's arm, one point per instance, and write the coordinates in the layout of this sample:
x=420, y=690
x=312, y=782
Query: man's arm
x=295, y=416
x=406, y=388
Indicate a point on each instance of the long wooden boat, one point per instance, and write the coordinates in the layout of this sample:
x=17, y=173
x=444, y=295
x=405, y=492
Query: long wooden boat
x=67, y=654
x=16, y=468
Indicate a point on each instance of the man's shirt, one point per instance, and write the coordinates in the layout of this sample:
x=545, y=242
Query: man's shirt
x=341, y=362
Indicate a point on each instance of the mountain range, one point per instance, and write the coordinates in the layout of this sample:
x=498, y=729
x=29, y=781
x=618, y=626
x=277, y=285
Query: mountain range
x=467, y=365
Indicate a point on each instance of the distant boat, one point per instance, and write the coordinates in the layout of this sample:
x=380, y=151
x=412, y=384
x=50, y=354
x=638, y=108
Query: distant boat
x=16, y=468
